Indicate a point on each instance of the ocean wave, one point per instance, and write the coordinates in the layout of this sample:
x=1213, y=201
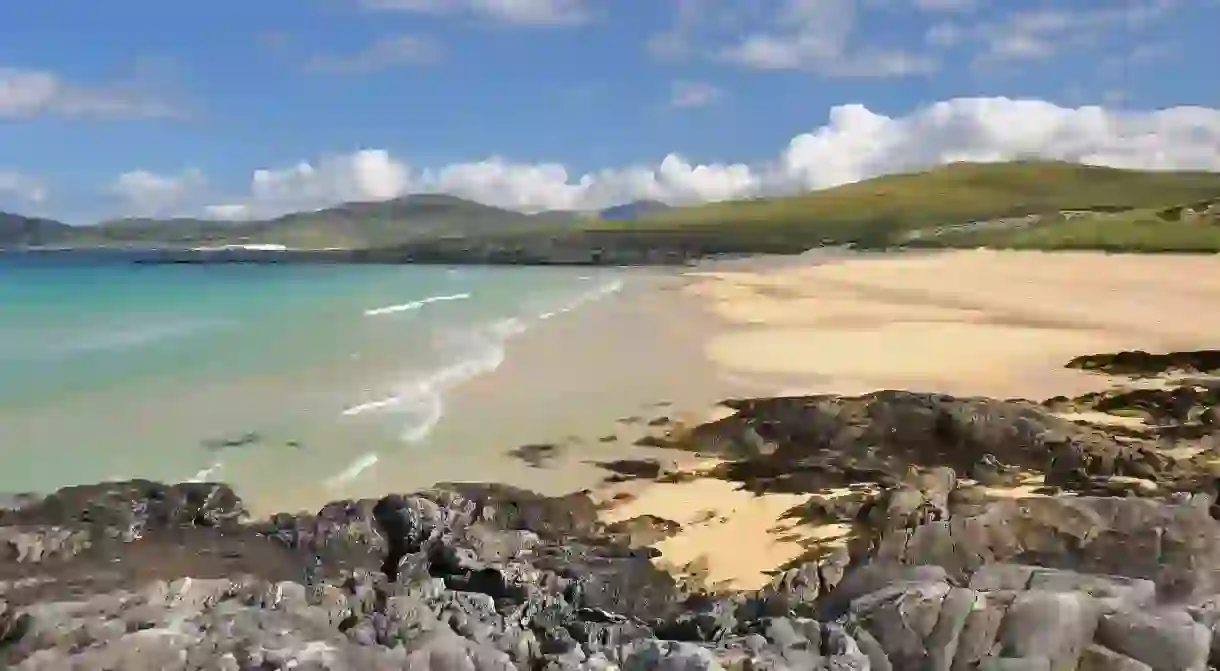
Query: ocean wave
x=420, y=400
x=353, y=470
x=414, y=305
x=602, y=291
x=207, y=474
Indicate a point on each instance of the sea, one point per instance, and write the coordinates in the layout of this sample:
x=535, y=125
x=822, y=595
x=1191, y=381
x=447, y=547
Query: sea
x=115, y=370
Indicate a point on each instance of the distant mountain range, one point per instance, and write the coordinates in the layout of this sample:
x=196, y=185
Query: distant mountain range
x=891, y=209
x=633, y=210
x=352, y=225
x=19, y=231
x=355, y=224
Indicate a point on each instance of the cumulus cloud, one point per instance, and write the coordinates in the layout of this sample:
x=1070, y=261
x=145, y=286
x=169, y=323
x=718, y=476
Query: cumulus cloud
x=1037, y=34
x=854, y=143
x=947, y=5
x=519, y=12
x=21, y=189
x=147, y=194
x=824, y=37
x=27, y=93
x=870, y=38
x=380, y=54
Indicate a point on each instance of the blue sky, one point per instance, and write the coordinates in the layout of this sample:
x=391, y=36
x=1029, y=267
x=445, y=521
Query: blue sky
x=188, y=99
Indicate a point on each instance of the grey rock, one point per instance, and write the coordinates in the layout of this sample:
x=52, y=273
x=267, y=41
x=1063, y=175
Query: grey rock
x=1101, y=658
x=1165, y=641
x=1054, y=625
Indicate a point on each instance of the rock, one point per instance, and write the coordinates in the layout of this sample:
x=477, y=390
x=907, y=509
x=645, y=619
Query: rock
x=1100, y=658
x=1054, y=625
x=670, y=656
x=989, y=472
x=1141, y=363
x=1210, y=417
x=644, y=530
x=537, y=455
x=940, y=575
x=1166, y=641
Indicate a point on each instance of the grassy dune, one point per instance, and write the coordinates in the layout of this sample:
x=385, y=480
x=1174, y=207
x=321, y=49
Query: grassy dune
x=1138, y=230
x=882, y=211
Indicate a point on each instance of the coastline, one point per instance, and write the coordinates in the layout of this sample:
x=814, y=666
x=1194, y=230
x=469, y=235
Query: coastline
x=576, y=388
x=766, y=532
x=658, y=357
x=966, y=323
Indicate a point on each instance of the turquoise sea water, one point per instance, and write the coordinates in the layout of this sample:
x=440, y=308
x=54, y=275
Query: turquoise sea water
x=110, y=369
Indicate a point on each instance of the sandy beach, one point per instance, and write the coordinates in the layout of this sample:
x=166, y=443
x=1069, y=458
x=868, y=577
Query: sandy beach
x=591, y=387
x=999, y=324
x=577, y=390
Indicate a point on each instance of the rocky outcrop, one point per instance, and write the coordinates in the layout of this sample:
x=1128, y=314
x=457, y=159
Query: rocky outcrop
x=472, y=589
x=812, y=443
x=1141, y=363
x=946, y=574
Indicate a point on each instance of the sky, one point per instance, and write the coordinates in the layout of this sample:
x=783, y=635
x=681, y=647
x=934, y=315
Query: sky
x=245, y=109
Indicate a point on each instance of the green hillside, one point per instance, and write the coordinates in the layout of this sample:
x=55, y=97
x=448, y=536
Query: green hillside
x=1136, y=230
x=350, y=225
x=962, y=204
x=20, y=231
x=883, y=210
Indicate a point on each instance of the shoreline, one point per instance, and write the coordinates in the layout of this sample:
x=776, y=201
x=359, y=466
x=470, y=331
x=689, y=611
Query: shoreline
x=575, y=388
x=776, y=532
x=948, y=322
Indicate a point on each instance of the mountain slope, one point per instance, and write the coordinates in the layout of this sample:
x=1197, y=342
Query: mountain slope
x=633, y=210
x=20, y=231
x=888, y=210
x=354, y=225
x=879, y=210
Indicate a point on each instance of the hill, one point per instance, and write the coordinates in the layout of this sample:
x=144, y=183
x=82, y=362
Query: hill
x=1030, y=204
x=884, y=210
x=1191, y=228
x=632, y=210
x=19, y=231
x=349, y=225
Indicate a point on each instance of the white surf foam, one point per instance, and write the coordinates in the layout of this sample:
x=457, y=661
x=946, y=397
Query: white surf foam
x=420, y=399
x=602, y=291
x=353, y=470
x=207, y=474
x=370, y=406
x=414, y=305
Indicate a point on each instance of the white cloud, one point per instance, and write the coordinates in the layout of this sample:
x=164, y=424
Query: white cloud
x=943, y=35
x=147, y=194
x=519, y=12
x=21, y=189
x=855, y=143
x=382, y=53
x=818, y=36
x=693, y=94
x=1040, y=33
x=27, y=93
x=947, y=5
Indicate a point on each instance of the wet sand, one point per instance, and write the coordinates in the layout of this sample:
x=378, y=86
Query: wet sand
x=574, y=390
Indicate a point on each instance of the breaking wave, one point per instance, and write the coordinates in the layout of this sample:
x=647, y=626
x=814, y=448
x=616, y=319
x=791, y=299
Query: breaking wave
x=414, y=305
x=420, y=399
x=353, y=470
